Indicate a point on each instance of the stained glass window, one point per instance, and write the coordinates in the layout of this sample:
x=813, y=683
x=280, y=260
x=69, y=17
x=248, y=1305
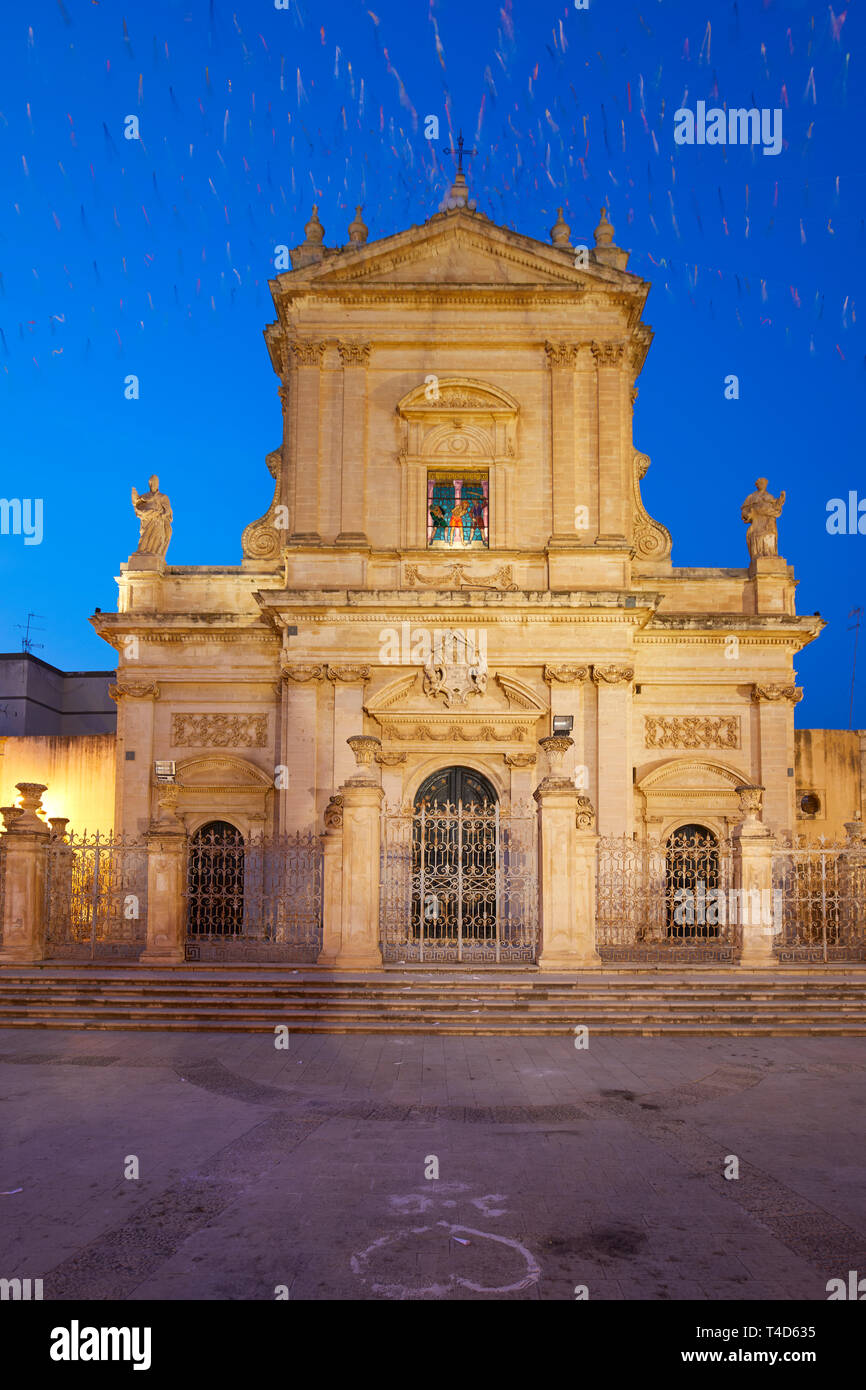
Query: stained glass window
x=458, y=511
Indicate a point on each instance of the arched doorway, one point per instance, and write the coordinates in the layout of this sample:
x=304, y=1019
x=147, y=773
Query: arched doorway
x=455, y=849
x=451, y=785
x=215, y=881
x=692, y=880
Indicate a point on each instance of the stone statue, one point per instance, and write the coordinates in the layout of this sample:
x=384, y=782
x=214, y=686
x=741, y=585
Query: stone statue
x=154, y=513
x=760, y=510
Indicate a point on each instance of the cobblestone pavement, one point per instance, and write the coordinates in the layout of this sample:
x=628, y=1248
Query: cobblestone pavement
x=306, y=1168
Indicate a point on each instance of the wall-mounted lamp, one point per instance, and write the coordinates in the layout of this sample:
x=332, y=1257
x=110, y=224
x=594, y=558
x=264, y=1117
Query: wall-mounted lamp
x=163, y=771
x=563, y=723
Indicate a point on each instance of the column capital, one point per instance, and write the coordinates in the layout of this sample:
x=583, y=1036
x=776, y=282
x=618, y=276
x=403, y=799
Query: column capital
x=566, y=675
x=134, y=690
x=561, y=354
x=302, y=674
x=608, y=354
x=613, y=675
x=356, y=675
x=354, y=354
x=308, y=353
x=792, y=693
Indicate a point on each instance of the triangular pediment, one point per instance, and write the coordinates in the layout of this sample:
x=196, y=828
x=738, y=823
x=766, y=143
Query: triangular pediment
x=458, y=249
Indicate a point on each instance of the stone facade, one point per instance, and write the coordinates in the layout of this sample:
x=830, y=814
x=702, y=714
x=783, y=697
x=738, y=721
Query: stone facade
x=454, y=345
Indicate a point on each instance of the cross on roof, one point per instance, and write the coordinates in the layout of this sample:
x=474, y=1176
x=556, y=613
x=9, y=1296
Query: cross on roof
x=459, y=153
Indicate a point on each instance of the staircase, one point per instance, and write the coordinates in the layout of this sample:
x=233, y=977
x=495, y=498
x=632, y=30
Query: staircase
x=818, y=1001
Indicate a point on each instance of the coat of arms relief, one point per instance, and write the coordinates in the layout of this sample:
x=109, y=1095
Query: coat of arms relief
x=457, y=668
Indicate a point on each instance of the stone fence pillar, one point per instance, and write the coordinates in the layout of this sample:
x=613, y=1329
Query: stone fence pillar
x=332, y=882
x=359, y=891
x=566, y=868
x=753, y=878
x=166, y=895
x=25, y=917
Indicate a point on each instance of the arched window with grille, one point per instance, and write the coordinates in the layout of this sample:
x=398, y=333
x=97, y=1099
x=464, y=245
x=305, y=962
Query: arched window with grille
x=215, y=881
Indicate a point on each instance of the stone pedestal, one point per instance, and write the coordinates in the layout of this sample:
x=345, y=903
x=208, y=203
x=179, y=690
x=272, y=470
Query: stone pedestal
x=753, y=878
x=332, y=882
x=24, y=914
x=166, y=901
x=566, y=870
x=359, y=896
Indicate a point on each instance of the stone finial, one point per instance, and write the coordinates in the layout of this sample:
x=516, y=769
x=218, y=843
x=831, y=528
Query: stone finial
x=556, y=746
x=10, y=815
x=364, y=747
x=58, y=826
x=560, y=232
x=603, y=232
x=314, y=231
x=854, y=830
x=751, y=804
x=357, y=230
x=605, y=251
x=31, y=807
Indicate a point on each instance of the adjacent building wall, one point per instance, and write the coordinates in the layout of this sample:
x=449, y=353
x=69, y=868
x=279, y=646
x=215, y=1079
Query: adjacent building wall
x=829, y=766
x=78, y=771
x=37, y=698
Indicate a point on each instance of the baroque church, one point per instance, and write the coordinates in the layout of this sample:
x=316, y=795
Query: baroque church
x=456, y=555
x=456, y=702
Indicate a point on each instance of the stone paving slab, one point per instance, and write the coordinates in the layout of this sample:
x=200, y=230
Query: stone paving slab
x=558, y=1167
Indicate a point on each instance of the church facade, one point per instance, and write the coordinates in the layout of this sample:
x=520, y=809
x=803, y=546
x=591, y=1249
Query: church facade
x=456, y=555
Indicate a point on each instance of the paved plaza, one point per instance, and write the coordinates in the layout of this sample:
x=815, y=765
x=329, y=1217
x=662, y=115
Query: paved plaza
x=305, y=1170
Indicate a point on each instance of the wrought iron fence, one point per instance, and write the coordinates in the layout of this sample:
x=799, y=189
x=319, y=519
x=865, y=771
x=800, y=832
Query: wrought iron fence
x=96, y=889
x=253, y=899
x=822, y=887
x=459, y=883
x=671, y=902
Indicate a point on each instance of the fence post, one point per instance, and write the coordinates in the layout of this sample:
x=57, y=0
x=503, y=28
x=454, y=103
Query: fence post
x=25, y=916
x=359, y=895
x=166, y=899
x=753, y=878
x=332, y=891
x=567, y=846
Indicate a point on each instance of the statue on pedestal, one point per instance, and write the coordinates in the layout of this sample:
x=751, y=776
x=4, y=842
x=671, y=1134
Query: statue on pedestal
x=153, y=510
x=761, y=510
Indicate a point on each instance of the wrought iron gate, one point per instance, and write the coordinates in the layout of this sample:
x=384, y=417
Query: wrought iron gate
x=667, y=902
x=459, y=883
x=96, y=888
x=822, y=888
x=254, y=899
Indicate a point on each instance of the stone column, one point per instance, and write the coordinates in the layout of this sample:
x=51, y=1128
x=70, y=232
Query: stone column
x=166, y=886
x=614, y=761
x=25, y=917
x=362, y=801
x=305, y=451
x=566, y=697
x=332, y=882
x=776, y=748
x=614, y=485
x=522, y=772
x=348, y=683
x=136, y=708
x=753, y=878
x=298, y=746
x=355, y=357
x=566, y=868
x=561, y=359
x=392, y=765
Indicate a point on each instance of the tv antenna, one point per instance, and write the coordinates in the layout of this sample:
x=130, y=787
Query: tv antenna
x=855, y=628
x=27, y=645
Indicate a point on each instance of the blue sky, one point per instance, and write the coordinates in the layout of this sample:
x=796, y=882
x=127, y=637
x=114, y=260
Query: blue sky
x=152, y=257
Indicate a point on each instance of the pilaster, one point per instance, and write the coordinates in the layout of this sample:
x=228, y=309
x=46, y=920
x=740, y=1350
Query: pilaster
x=353, y=477
x=614, y=753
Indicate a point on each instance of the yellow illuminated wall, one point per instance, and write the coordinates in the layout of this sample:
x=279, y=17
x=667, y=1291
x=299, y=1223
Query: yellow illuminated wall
x=78, y=771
